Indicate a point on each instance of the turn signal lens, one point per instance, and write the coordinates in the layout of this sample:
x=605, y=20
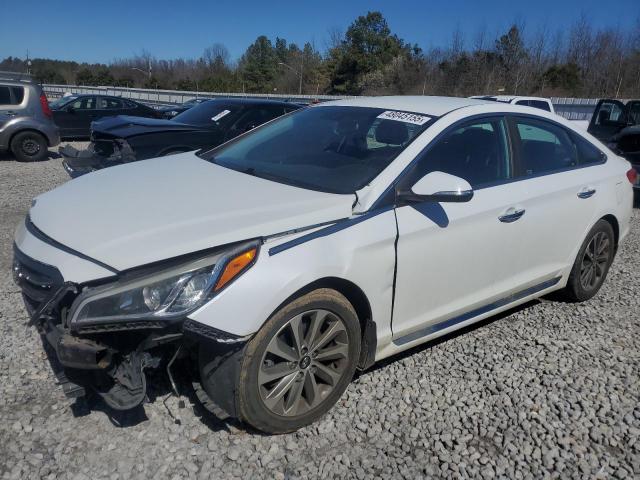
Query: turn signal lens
x=632, y=175
x=235, y=266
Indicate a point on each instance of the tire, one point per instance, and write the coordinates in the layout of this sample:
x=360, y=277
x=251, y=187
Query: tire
x=319, y=374
x=29, y=146
x=583, y=285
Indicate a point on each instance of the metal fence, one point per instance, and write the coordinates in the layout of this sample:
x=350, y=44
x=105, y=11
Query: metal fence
x=172, y=97
x=570, y=108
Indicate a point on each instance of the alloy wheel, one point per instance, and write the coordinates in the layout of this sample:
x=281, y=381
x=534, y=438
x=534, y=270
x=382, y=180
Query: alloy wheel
x=30, y=146
x=303, y=363
x=594, y=261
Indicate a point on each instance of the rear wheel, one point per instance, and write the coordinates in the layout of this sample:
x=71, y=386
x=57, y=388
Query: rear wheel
x=299, y=364
x=592, y=263
x=29, y=147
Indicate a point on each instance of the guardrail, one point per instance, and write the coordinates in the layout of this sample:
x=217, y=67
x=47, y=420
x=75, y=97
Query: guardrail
x=173, y=97
x=569, y=108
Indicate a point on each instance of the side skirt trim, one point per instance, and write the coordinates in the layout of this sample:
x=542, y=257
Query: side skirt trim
x=431, y=329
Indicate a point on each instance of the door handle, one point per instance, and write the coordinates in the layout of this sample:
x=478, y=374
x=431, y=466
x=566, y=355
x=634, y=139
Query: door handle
x=10, y=113
x=511, y=215
x=586, y=192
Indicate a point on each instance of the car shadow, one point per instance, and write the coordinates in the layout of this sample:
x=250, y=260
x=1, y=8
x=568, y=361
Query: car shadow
x=159, y=391
x=445, y=338
x=8, y=156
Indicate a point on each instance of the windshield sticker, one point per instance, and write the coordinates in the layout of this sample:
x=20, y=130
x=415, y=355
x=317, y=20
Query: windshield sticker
x=404, y=117
x=220, y=115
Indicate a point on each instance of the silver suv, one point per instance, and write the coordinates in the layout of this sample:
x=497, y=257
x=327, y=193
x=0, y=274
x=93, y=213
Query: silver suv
x=26, y=122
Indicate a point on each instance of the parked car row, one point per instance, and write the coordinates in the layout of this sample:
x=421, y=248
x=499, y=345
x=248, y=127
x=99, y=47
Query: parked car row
x=124, y=139
x=279, y=262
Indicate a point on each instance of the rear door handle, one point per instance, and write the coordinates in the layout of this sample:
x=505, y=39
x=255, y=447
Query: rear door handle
x=586, y=192
x=10, y=113
x=511, y=215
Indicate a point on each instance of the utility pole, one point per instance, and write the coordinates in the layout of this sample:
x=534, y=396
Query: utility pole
x=298, y=73
x=28, y=64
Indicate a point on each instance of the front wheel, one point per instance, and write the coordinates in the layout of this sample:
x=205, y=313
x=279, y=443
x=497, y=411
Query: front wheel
x=300, y=363
x=592, y=263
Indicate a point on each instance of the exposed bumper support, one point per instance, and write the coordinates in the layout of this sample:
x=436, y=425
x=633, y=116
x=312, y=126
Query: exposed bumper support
x=79, y=162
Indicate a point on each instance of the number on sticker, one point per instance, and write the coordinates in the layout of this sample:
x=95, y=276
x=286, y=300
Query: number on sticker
x=404, y=117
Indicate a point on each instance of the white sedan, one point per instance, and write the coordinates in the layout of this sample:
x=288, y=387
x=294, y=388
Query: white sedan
x=280, y=262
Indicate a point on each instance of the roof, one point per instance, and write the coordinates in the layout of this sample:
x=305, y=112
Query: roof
x=508, y=98
x=433, y=106
x=250, y=101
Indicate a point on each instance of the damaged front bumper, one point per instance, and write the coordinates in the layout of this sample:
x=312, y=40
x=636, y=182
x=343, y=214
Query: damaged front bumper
x=113, y=362
x=98, y=155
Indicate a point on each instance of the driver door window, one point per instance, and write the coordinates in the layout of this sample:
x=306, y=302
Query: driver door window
x=477, y=151
x=84, y=103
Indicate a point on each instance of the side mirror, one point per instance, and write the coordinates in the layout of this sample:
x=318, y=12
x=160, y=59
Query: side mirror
x=437, y=187
x=70, y=108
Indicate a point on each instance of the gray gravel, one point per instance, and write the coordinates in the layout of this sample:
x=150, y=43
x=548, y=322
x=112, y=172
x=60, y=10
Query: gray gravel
x=551, y=390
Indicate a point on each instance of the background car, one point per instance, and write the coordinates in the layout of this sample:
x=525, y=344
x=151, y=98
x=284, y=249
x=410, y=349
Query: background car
x=26, y=124
x=535, y=102
x=74, y=117
x=125, y=139
x=170, y=112
x=617, y=124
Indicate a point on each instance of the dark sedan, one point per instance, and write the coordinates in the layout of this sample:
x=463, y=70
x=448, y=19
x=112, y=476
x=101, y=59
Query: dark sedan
x=126, y=139
x=74, y=116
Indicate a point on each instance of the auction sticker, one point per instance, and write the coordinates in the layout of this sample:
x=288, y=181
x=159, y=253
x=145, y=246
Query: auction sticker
x=404, y=117
x=220, y=115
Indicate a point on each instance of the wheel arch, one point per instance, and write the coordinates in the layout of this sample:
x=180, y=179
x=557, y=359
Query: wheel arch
x=356, y=296
x=613, y=221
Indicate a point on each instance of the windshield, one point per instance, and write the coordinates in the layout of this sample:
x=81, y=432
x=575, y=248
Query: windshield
x=328, y=148
x=207, y=113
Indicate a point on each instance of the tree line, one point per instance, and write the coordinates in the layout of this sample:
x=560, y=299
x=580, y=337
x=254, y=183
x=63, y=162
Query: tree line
x=369, y=59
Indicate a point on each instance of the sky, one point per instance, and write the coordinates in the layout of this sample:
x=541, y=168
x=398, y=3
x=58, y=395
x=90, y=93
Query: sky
x=100, y=31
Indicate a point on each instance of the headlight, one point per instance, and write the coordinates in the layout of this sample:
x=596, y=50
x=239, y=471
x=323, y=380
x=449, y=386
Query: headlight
x=164, y=295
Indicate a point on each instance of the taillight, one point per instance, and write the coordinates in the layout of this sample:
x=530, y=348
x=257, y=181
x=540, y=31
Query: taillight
x=632, y=175
x=44, y=103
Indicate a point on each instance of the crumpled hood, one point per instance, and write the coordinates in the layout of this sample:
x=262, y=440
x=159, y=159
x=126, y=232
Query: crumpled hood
x=124, y=126
x=142, y=212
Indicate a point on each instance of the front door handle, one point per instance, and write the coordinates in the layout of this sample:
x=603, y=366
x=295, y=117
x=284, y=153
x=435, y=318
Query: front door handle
x=511, y=215
x=10, y=113
x=586, y=192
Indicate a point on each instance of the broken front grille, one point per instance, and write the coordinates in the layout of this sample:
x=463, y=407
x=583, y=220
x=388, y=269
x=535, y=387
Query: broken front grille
x=37, y=281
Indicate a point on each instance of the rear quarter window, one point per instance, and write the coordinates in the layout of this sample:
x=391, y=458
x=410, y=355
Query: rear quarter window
x=588, y=154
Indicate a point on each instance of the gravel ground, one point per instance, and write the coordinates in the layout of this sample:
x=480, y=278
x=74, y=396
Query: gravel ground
x=550, y=390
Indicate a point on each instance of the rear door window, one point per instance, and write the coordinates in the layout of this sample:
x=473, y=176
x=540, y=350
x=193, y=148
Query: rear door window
x=544, y=147
x=539, y=104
